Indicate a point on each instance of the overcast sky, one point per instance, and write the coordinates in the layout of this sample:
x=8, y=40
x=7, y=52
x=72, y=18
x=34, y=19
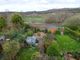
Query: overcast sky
x=36, y=5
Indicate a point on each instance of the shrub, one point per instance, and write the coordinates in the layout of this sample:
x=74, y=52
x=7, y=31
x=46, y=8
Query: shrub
x=2, y=22
x=29, y=33
x=53, y=50
x=26, y=27
x=35, y=56
x=10, y=49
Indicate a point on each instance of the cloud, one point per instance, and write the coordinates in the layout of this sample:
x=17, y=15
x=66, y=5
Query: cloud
x=32, y=5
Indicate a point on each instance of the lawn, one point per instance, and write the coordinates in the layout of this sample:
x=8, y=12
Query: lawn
x=26, y=53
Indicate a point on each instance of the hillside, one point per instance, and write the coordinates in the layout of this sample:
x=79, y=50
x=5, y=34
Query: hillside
x=66, y=10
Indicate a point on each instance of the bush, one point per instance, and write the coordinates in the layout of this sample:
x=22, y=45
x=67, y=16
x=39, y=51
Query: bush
x=26, y=27
x=53, y=50
x=49, y=32
x=29, y=33
x=2, y=22
x=10, y=49
x=35, y=56
x=57, y=32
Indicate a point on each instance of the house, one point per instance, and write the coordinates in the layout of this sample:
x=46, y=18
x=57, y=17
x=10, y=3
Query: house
x=31, y=40
x=2, y=39
x=34, y=40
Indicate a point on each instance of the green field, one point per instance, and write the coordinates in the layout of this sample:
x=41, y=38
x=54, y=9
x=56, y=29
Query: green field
x=34, y=19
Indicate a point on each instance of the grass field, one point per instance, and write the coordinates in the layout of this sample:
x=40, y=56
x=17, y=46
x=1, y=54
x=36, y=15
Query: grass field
x=34, y=19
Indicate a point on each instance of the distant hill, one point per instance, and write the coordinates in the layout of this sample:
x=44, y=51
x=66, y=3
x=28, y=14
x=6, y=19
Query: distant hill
x=69, y=10
x=42, y=16
x=66, y=10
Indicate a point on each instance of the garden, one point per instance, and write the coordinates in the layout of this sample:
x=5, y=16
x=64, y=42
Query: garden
x=58, y=44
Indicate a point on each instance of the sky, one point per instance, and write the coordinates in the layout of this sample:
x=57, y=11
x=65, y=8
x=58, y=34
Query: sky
x=37, y=5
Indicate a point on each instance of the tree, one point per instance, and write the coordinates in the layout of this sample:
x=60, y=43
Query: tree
x=29, y=33
x=73, y=22
x=17, y=20
x=2, y=22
